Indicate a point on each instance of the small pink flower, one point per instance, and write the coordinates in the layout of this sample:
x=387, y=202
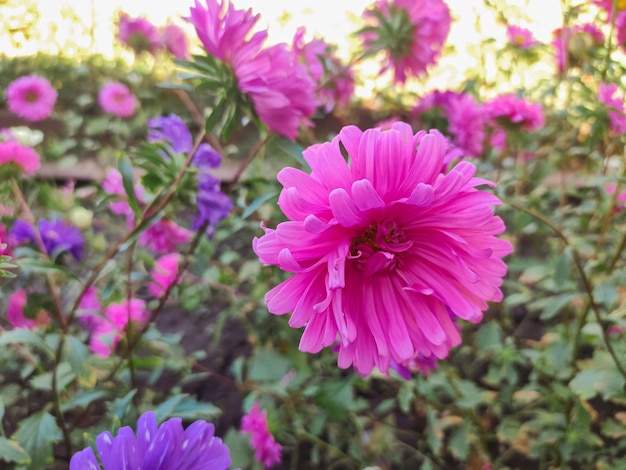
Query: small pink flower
x=410, y=47
x=609, y=96
x=521, y=37
x=386, y=249
x=266, y=449
x=164, y=273
x=107, y=331
x=139, y=34
x=117, y=99
x=113, y=185
x=26, y=158
x=31, y=97
x=16, y=316
x=165, y=236
x=175, y=41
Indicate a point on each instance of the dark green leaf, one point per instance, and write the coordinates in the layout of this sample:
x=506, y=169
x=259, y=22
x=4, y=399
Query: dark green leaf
x=11, y=451
x=126, y=170
x=258, y=202
x=268, y=365
x=37, y=435
x=23, y=336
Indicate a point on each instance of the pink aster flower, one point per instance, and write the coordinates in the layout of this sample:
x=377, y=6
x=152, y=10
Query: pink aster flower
x=138, y=34
x=31, y=97
x=614, y=101
x=117, y=99
x=334, y=81
x=107, y=330
x=509, y=112
x=574, y=44
x=175, y=41
x=164, y=273
x=281, y=91
x=412, y=33
x=386, y=251
x=456, y=115
x=26, y=158
x=266, y=449
x=521, y=37
x=165, y=236
x=16, y=313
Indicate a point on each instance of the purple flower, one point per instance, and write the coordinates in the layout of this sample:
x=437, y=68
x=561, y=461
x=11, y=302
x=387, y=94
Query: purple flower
x=154, y=447
x=57, y=236
x=170, y=129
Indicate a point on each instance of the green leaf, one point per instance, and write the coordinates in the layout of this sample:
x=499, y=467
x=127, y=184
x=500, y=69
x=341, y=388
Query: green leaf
x=216, y=115
x=65, y=376
x=254, y=205
x=489, y=337
x=82, y=399
x=591, y=382
x=42, y=266
x=458, y=443
x=555, y=305
x=126, y=170
x=186, y=407
x=280, y=147
x=76, y=353
x=337, y=398
x=11, y=451
x=119, y=407
x=562, y=268
x=267, y=366
x=23, y=336
x=37, y=435
x=605, y=294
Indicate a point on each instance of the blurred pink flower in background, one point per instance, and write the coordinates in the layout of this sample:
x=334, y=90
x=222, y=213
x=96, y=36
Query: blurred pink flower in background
x=412, y=35
x=282, y=93
x=386, y=251
x=574, y=44
x=607, y=5
x=509, y=112
x=164, y=236
x=16, y=313
x=266, y=449
x=31, y=97
x=138, y=34
x=112, y=184
x=117, y=99
x=175, y=41
x=620, y=199
x=24, y=157
x=620, y=30
x=521, y=37
x=164, y=273
x=608, y=95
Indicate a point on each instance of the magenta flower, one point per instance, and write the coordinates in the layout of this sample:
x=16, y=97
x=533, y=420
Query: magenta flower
x=164, y=273
x=164, y=236
x=412, y=34
x=281, y=91
x=614, y=101
x=334, y=81
x=138, y=34
x=607, y=5
x=620, y=28
x=156, y=447
x=175, y=41
x=31, y=97
x=509, y=112
x=117, y=99
x=383, y=248
x=266, y=449
x=521, y=37
x=16, y=315
x=574, y=44
x=26, y=158
x=456, y=115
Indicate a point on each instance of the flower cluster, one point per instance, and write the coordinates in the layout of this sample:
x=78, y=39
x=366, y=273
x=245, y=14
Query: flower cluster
x=411, y=32
x=266, y=449
x=388, y=251
x=56, y=235
x=279, y=87
x=31, y=97
x=153, y=446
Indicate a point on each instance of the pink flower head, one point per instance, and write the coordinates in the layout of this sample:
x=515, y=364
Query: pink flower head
x=26, y=158
x=165, y=236
x=334, y=81
x=16, y=313
x=412, y=33
x=117, y=99
x=31, y=97
x=574, y=44
x=107, y=331
x=138, y=34
x=266, y=449
x=614, y=101
x=281, y=91
x=456, y=115
x=164, y=273
x=509, y=112
x=113, y=185
x=175, y=41
x=521, y=37
x=387, y=251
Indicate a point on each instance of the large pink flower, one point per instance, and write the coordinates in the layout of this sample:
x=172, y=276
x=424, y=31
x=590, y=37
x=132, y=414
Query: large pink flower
x=139, y=34
x=386, y=251
x=413, y=34
x=281, y=91
x=266, y=449
x=31, y=97
x=609, y=96
x=26, y=158
x=117, y=99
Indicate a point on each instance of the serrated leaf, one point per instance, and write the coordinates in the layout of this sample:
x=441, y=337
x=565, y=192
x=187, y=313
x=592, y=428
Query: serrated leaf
x=37, y=435
x=11, y=451
x=591, y=382
x=282, y=147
